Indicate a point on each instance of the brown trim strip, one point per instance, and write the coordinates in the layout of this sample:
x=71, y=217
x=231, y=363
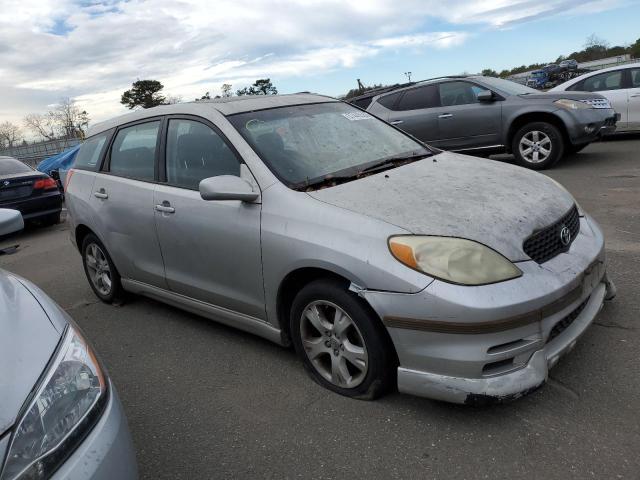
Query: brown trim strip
x=492, y=326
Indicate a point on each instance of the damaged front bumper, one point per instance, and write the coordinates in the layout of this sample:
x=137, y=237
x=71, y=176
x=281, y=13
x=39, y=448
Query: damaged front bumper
x=496, y=342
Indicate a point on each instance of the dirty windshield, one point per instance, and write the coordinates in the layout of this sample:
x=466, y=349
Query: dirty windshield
x=308, y=146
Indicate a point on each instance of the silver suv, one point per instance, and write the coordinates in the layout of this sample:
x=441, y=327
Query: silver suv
x=495, y=115
x=310, y=222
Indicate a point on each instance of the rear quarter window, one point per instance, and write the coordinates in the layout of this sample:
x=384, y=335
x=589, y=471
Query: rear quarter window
x=91, y=151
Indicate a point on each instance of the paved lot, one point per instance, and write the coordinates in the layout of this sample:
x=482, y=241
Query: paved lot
x=206, y=401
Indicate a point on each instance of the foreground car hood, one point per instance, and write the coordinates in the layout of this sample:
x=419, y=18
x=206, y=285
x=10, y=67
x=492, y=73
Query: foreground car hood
x=494, y=203
x=27, y=342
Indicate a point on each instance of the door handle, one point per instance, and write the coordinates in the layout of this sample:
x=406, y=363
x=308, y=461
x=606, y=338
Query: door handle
x=101, y=194
x=397, y=122
x=445, y=115
x=165, y=207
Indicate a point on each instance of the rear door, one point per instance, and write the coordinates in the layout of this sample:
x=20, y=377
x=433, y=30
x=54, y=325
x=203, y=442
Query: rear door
x=463, y=121
x=634, y=99
x=611, y=85
x=211, y=249
x=122, y=202
x=414, y=111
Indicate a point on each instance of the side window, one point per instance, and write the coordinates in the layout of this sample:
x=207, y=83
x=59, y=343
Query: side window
x=577, y=87
x=635, y=77
x=195, y=152
x=90, y=152
x=420, y=97
x=388, y=101
x=134, y=151
x=604, y=81
x=458, y=93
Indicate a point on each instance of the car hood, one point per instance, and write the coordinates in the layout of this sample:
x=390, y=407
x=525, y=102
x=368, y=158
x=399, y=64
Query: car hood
x=557, y=95
x=455, y=195
x=27, y=342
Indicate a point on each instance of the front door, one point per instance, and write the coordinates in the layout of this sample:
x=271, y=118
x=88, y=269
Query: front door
x=634, y=99
x=122, y=199
x=211, y=249
x=463, y=121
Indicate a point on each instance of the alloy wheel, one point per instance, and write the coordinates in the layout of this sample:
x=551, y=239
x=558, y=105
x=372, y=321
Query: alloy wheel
x=535, y=146
x=98, y=268
x=333, y=344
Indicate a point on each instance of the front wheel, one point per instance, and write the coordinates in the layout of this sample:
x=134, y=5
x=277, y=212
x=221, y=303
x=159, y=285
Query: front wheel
x=538, y=145
x=342, y=346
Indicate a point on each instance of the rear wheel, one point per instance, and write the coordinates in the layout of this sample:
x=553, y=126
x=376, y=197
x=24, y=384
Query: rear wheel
x=100, y=270
x=342, y=347
x=538, y=145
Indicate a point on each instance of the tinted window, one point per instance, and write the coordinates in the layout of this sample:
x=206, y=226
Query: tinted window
x=11, y=166
x=421, y=97
x=195, y=152
x=134, y=151
x=635, y=78
x=458, y=93
x=89, y=154
x=603, y=81
x=388, y=101
x=304, y=144
x=363, y=102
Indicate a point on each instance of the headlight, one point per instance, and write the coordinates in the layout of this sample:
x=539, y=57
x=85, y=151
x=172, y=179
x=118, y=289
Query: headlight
x=455, y=260
x=572, y=104
x=65, y=406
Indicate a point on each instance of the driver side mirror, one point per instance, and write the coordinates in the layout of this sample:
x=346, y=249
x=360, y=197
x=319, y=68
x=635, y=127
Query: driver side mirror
x=227, y=187
x=485, y=96
x=10, y=222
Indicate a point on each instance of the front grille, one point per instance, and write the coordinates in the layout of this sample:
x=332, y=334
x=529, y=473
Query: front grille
x=545, y=244
x=598, y=102
x=563, y=324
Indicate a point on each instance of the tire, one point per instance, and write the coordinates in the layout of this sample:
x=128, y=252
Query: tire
x=549, y=139
x=50, y=220
x=572, y=149
x=108, y=292
x=353, y=357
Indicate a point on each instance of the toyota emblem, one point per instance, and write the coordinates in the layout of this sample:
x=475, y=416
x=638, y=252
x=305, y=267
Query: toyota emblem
x=565, y=236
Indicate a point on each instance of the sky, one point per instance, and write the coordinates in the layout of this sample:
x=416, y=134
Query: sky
x=92, y=51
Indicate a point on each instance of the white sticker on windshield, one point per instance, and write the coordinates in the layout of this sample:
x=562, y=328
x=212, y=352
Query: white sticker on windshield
x=353, y=116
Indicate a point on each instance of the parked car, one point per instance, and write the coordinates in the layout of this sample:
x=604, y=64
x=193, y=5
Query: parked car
x=310, y=222
x=485, y=113
x=60, y=416
x=619, y=85
x=569, y=64
x=35, y=194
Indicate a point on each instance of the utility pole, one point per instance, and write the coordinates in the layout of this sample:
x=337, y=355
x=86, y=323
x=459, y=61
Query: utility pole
x=408, y=75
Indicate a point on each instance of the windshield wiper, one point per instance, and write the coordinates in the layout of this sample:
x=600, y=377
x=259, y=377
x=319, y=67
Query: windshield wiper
x=392, y=162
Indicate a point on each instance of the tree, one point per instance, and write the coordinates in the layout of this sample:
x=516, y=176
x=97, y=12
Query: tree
x=44, y=125
x=143, y=93
x=70, y=120
x=488, y=72
x=10, y=134
x=206, y=96
x=635, y=49
x=226, y=90
x=262, y=86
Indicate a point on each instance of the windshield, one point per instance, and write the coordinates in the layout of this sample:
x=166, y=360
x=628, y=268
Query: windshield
x=507, y=86
x=306, y=144
x=10, y=166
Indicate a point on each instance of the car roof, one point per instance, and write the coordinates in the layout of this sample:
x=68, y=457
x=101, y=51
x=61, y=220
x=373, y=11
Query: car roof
x=226, y=106
x=568, y=83
x=422, y=83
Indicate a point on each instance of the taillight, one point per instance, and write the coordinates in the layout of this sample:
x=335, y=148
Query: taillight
x=45, y=184
x=68, y=178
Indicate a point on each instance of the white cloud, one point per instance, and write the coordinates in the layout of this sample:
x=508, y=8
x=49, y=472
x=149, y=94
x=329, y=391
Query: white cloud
x=98, y=48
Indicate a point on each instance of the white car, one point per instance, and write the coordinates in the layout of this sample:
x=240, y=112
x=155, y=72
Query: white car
x=620, y=85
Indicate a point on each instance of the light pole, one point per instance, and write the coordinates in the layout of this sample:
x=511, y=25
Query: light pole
x=408, y=75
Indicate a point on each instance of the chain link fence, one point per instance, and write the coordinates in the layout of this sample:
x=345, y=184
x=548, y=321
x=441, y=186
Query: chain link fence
x=34, y=153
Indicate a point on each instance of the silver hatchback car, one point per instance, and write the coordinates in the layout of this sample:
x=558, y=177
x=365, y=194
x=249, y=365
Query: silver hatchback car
x=310, y=222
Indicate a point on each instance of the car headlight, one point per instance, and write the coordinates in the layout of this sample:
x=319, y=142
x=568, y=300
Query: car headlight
x=455, y=260
x=572, y=104
x=67, y=403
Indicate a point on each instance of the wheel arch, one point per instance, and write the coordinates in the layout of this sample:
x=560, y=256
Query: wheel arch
x=529, y=117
